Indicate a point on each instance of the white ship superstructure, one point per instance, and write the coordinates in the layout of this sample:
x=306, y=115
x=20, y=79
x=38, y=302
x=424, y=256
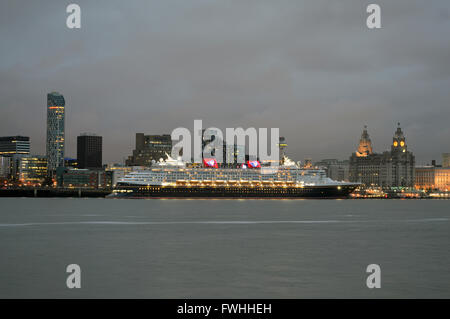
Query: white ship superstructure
x=171, y=178
x=165, y=176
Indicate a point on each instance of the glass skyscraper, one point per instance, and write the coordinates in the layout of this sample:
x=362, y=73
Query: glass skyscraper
x=55, y=131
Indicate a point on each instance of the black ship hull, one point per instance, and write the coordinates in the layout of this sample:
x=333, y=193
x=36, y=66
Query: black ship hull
x=323, y=191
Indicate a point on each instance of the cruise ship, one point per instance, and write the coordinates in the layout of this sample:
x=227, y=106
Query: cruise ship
x=172, y=179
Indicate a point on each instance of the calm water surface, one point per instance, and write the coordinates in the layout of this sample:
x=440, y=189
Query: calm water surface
x=224, y=248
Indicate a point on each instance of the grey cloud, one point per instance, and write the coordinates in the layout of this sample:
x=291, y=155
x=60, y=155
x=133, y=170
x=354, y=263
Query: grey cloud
x=311, y=68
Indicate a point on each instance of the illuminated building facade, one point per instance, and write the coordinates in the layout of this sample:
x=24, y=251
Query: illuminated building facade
x=150, y=148
x=55, y=131
x=29, y=169
x=394, y=168
x=89, y=151
x=432, y=178
x=84, y=178
x=11, y=145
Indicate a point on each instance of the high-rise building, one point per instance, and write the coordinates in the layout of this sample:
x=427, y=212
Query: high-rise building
x=89, y=151
x=12, y=145
x=393, y=168
x=150, y=148
x=55, y=131
x=446, y=160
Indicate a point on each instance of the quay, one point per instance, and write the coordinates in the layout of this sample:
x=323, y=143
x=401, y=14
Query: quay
x=53, y=192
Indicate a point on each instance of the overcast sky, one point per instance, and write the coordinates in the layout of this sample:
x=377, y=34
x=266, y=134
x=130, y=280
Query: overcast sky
x=311, y=68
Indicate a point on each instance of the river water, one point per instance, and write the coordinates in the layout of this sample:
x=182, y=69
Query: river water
x=181, y=248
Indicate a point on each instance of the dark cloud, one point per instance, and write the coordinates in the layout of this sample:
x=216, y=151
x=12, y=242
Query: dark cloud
x=311, y=68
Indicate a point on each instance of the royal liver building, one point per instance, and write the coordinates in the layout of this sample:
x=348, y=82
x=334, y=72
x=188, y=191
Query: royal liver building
x=55, y=131
x=394, y=168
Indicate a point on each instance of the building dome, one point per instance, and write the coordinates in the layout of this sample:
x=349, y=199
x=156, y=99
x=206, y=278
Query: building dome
x=365, y=144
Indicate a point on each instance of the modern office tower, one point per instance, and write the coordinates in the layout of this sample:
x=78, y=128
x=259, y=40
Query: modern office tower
x=11, y=145
x=393, y=168
x=29, y=169
x=150, y=148
x=89, y=151
x=446, y=160
x=55, y=131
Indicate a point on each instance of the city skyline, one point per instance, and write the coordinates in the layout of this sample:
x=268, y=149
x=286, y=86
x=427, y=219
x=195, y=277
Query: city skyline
x=231, y=68
x=250, y=152
x=365, y=128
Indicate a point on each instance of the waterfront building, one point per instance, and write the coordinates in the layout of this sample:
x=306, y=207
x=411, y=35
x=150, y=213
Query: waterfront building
x=446, y=160
x=394, y=168
x=89, y=151
x=55, y=131
x=29, y=169
x=11, y=145
x=83, y=178
x=5, y=167
x=432, y=178
x=335, y=169
x=150, y=148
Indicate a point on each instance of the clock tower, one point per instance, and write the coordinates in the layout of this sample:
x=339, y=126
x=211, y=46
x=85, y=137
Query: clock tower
x=398, y=141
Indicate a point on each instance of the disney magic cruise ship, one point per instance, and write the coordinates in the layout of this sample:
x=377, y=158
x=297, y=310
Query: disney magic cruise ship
x=171, y=178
